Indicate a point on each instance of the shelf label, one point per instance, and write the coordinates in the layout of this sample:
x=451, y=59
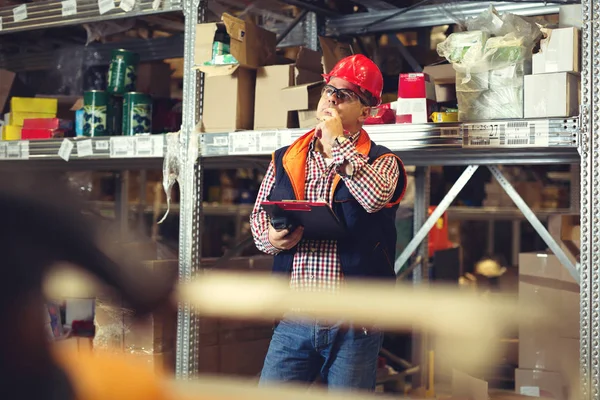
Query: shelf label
x=20, y=13
x=17, y=150
x=102, y=145
x=66, y=147
x=450, y=131
x=122, y=147
x=105, y=6
x=0, y=23
x=507, y=134
x=156, y=4
x=85, y=148
x=269, y=141
x=127, y=5
x=149, y=146
x=245, y=142
x=69, y=7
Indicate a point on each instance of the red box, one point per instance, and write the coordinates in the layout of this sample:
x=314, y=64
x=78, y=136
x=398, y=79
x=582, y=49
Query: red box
x=32, y=134
x=416, y=98
x=41, y=123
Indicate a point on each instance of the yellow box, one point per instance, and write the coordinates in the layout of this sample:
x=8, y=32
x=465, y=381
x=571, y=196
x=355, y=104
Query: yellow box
x=18, y=118
x=11, y=132
x=34, y=104
x=444, y=117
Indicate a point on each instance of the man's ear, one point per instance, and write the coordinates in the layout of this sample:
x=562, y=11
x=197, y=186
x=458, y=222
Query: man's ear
x=365, y=113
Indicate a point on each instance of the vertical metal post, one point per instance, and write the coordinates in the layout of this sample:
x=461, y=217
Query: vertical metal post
x=575, y=189
x=589, y=202
x=421, y=272
x=190, y=180
x=311, y=35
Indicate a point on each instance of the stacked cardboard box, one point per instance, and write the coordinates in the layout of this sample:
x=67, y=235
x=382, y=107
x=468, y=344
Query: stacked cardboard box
x=553, y=89
x=548, y=358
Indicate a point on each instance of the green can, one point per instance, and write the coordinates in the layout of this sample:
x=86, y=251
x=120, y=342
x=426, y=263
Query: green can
x=137, y=113
x=94, y=113
x=122, y=72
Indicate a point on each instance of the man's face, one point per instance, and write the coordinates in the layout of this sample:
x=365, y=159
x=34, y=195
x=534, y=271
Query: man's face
x=346, y=100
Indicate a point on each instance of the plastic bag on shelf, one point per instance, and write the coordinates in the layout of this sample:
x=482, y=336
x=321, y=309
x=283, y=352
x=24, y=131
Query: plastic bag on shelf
x=171, y=167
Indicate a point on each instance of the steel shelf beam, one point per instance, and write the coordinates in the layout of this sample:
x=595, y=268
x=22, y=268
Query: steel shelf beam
x=432, y=15
x=48, y=14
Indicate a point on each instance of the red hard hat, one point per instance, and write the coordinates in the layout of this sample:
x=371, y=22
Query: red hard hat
x=362, y=72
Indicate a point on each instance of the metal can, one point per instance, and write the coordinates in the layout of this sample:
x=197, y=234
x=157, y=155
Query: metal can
x=94, y=113
x=137, y=114
x=122, y=72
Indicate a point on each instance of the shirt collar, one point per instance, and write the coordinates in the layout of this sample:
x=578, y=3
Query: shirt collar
x=353, y=138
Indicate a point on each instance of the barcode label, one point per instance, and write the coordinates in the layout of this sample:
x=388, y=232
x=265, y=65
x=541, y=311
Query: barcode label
x=105, y=6
x=149, y=146
x=269, y=141
x=65, y=150
x=221, y=141
x=85, y=148
x=14, y=150
x=127, y=5
x=0, y=23
x=507, y=134
x=156, y=4
x=454, y=131
x=121, y=147
x=69, y=7
x=20, y=13
x=102, y=145
x=243, y=142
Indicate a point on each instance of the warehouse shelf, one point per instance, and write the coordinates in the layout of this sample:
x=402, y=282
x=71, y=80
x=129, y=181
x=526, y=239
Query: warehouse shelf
x=426, y=16
x=142, y=150
x=51, y=14
x=536, y=141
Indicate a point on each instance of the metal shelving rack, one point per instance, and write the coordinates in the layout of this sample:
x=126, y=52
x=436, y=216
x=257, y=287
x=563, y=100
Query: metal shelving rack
x=573, y=140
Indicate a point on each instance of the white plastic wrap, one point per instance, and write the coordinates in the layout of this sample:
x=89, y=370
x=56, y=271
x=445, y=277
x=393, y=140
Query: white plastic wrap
x=491, y=60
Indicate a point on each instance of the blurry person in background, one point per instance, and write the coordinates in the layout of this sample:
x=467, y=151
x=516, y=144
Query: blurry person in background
x=363, y=183
x=43, y=225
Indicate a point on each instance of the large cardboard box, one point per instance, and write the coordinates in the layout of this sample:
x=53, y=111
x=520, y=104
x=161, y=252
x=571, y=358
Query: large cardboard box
x=154, y=78
x=551, y=95
x=544, y=282
x=274, y=108
x=559, y=52
x=229, y=89
x=545, y=350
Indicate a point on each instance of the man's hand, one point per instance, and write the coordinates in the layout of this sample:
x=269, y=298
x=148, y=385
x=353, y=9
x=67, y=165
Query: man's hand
x=284, y=240
x=329, y=128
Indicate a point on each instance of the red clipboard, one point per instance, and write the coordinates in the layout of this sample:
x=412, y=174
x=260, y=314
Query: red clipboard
x=317, y=218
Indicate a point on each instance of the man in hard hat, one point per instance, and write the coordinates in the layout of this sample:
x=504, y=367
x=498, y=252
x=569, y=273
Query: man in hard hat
x=363, y=183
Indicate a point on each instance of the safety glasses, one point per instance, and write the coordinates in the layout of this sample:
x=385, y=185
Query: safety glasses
x=343, y=95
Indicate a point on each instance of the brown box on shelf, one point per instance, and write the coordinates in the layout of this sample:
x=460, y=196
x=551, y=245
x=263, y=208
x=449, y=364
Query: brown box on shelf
x=283, y=89
x=444, y=78
x=229, y=89
x=154, y=78
x=566, y=229
x=544, y=282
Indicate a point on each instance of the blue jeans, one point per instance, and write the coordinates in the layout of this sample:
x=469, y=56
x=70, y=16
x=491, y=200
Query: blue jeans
x=344, y=357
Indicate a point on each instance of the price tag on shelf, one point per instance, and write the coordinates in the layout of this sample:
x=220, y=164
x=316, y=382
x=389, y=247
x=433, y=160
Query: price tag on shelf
x=105, y=6
x=127, y=5
x=508, y=134
x=245, y=142
x=0, y=23
x=69, y=7
x=102, y=145
x=269, y=141
x=149, y=146
x=450, y=131
x=20, y=13
x=156, y=4
x=18, y=150
x=85, y=148
x=122, y=147
x=221, y=141
x=65, y=150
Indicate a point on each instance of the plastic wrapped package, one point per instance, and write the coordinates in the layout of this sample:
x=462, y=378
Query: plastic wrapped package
x=491, y=61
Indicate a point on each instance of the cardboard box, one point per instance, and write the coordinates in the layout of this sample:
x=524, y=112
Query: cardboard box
x=570, y=16
x=544, y=282
x=536, y=383
x=274, y=107
x=559, y=52
x=333, y=51
x=416, y=98
x=6, y=81
x=542, y=349
x=154, y=78
x=566, y=230
x=34, y=105
x=551, y=95
x=444, y=78
x=229, y=89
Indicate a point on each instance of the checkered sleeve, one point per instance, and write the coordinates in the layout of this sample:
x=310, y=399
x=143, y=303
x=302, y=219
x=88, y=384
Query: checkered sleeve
x=372, y=185
x=259, y=219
